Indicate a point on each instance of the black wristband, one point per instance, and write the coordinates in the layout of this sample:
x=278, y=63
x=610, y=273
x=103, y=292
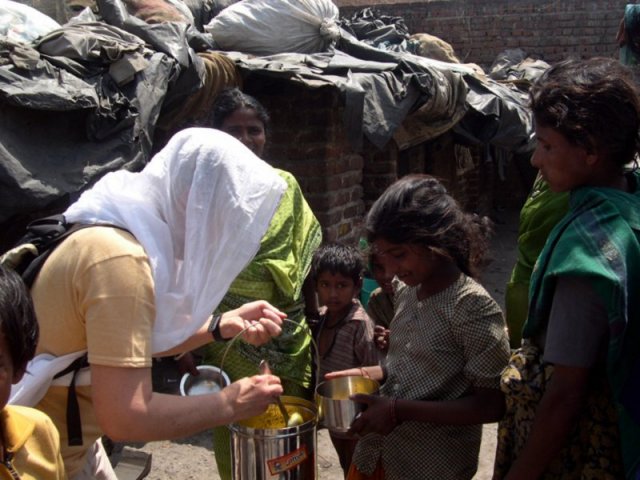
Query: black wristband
x=214, y=328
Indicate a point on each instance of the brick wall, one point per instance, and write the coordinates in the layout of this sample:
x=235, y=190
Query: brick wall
x=480, y=29
x=307, y=138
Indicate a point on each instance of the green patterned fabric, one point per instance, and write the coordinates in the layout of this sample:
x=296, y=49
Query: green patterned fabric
x=276, y=274
x=540, y=213
x=592, y=450
x=599, y=239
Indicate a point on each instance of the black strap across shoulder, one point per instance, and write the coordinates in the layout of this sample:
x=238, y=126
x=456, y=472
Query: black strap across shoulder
x=74, y=425
x=46, y=234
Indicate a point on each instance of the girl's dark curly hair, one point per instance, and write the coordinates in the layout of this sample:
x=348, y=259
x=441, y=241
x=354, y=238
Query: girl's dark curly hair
x=593, y=103
x=18, y=321
x=418, y=210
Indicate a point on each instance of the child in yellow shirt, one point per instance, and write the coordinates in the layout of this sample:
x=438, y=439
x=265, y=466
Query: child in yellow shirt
x=29, y=442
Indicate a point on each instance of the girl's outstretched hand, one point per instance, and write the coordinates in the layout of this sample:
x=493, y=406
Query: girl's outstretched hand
x=373, y=372
x=378, y=417
x=343, y=373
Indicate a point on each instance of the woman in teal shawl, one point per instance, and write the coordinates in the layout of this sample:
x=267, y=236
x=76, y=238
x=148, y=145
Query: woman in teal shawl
x=572, y=390
x=278, y=273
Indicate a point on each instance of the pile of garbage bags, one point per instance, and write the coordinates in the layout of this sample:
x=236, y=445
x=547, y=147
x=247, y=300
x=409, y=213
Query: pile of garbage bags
x=101, y=90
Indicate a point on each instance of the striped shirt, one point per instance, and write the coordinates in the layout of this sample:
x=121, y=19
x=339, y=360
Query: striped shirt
x=348, y=345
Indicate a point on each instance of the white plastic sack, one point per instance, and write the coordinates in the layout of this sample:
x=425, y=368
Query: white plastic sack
x=22, y=23
x=268, y=27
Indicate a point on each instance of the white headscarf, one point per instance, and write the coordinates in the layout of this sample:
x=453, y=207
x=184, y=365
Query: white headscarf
x=199, y=209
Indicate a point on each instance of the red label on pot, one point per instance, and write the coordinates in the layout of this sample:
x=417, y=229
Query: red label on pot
x=288, y=461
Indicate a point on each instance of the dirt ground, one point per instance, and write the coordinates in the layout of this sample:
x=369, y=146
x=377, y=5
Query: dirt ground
x=192, y=458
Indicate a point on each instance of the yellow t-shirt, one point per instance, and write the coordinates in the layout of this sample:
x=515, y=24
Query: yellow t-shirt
x=94, y=293
x=33, y=441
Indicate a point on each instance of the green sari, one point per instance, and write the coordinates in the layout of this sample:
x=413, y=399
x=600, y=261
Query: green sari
x=539, y=214
x=599, y=239
x=276, y=274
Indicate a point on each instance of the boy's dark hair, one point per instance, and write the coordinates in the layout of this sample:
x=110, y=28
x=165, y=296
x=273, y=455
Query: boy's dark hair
x=17, y=319
x=232, y=99
x=338, y=258
x=593, y=103
x=418, y=210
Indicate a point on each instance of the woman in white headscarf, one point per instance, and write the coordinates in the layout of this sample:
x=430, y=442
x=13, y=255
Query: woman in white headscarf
x=167, y=244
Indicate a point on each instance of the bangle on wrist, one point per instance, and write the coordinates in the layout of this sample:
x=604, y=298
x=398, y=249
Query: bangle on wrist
x=214, y=328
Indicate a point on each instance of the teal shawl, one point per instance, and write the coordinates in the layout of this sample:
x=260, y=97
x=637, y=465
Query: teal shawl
x=599, y=239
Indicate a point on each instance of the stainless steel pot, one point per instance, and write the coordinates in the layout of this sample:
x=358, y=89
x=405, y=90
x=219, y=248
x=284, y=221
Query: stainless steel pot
x=264, y=448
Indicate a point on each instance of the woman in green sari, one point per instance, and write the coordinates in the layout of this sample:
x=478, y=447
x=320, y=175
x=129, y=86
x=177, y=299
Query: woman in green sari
x=278, y=273
x=542, y=210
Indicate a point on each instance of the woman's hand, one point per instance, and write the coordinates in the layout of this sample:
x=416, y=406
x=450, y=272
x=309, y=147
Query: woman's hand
x=251, y=396
x=260, y=319
x=379, y=415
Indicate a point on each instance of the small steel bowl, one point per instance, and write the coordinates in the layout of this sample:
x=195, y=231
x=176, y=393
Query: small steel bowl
x=335, y=409
x=210, y=380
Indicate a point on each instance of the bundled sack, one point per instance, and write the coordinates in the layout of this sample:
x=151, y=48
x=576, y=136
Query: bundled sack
x=269, y=27
x=430, y=46
x=22, y=23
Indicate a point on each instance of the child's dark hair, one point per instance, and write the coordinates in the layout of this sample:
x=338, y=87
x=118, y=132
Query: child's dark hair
x=232, y=99
x=593, y=103
x=418, y=210
x=18, y=321
x=338, y=258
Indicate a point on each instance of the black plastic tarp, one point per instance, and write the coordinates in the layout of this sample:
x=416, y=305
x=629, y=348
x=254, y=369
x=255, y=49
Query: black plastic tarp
x=82, y=101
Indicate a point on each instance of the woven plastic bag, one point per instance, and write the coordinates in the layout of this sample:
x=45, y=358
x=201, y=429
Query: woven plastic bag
x=268, y=27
